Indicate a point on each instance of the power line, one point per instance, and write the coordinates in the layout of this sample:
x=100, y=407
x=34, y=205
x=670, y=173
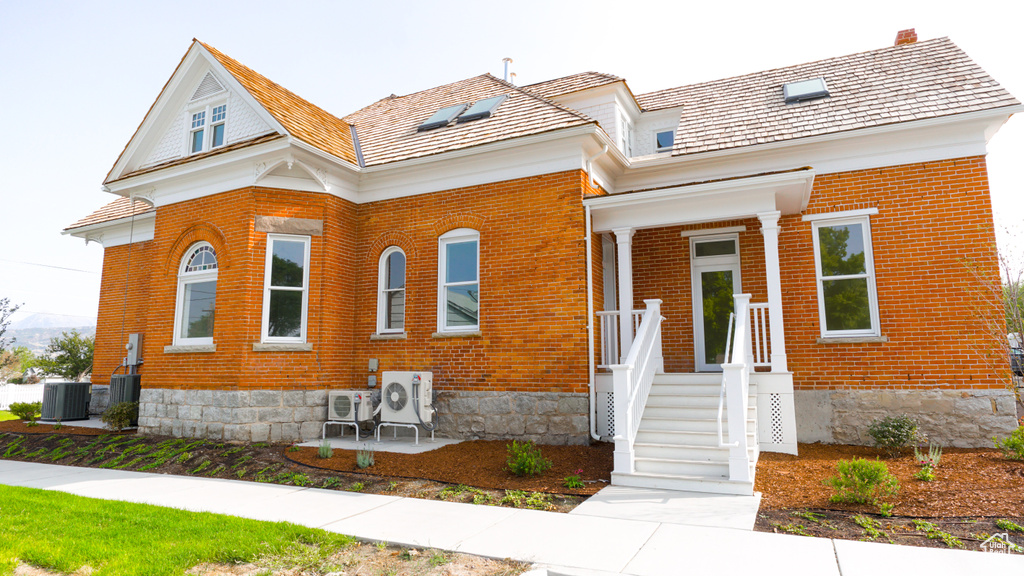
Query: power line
x=49, y=266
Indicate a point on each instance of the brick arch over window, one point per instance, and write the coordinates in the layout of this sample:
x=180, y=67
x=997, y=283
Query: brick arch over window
x=460, y=220
x=387, y=239
x=201, y=232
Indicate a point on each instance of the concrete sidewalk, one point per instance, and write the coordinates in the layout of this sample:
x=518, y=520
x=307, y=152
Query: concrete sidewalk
x=564, y=544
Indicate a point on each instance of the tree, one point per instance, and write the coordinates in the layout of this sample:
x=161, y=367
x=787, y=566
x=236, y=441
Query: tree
x=5, y=313
x=15, y=361
x=68, y=356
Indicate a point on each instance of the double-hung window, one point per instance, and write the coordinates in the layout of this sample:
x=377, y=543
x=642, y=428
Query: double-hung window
x=458, y=308
x=847, y=303
x=286, y=288
x=197, y=294
x=208, y=126
x=391, y=292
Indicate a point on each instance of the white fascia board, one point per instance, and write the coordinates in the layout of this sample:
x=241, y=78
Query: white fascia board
x=918, y=141
x=118, y=232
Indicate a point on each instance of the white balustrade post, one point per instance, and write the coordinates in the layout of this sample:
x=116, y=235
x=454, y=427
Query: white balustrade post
x=736, y=373
x=770, y=233
x=624, y=241
x=654, y=306
x=622, y=460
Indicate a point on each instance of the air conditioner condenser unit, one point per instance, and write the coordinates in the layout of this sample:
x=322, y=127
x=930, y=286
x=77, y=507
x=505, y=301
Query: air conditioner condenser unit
x=407, y=398
x=342, y=406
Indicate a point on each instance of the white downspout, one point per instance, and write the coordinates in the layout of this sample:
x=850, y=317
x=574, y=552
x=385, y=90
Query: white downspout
x=590, y=304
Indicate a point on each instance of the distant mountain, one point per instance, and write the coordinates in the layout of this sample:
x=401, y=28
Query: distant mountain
x=37, y=339
x=52, y=321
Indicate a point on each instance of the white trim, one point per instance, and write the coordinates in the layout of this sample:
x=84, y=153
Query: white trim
x=843, y=214
x=698, y=265
x=457, y=236
x=184, y=279
x=382, y=288
x=869, y=275
x=265, y=337
x=713, y=231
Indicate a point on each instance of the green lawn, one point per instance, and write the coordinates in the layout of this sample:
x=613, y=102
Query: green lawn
x=63, y=532
x=5, y=415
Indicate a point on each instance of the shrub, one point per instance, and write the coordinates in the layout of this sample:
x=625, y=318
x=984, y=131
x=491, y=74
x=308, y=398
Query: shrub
x=120, y=416
x=325, y=450
x=893, y=433
x=1012, y=447
x=364, y=458
x=28, y=411
x=574, y=481
x=525, y=459
x=862, y=481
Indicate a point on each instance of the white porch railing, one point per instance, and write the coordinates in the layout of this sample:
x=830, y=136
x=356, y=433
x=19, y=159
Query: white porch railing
x=610, y=335
x=631, y=383
x=760, y=335
x=736, y=385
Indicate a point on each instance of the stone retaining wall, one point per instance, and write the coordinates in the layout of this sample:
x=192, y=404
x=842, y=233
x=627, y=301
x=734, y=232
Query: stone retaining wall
x=291, y=415
x=959, y=418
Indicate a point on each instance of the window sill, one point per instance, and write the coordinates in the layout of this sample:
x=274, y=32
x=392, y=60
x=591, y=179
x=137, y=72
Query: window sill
x=475, y=334
x=281, y=347
x=190, y=349
x=854, y=340
x=388, y=336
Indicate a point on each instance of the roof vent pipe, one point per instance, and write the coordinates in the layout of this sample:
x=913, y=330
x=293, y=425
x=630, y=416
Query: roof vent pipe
x=512, y=78
x=507, y=61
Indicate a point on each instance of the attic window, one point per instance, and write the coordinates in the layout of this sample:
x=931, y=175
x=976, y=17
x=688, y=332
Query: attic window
x=664, y=140
x=482, y=109
x=203, y=137
x=442, y=117
x=805, y=90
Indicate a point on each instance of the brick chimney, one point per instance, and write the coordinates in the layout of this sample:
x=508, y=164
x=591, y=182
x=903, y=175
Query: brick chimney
x=906, y=37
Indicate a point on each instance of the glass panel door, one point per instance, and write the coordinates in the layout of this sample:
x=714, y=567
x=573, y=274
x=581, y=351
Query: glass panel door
x=715, y=305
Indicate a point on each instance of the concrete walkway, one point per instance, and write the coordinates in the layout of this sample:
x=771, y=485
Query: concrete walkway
x=563, y=544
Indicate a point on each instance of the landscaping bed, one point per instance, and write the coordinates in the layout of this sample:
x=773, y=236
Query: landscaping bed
x=973, y=488
x=19, y=427
x=465, y=472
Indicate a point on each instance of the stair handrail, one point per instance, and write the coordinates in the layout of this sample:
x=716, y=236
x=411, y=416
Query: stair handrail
x=631, y=384
x=721, y=392
x=736, y=382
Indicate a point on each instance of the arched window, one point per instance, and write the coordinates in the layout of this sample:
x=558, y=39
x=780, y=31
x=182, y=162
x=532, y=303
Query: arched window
x=197, y=293
x=458, y=282
x=391, y=292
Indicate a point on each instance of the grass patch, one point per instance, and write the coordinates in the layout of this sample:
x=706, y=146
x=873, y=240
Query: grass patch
x=63, y=532
x=5, y=415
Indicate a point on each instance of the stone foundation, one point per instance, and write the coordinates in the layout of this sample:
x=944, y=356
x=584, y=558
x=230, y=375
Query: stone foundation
x=959, y=418
x=293, y=415
x=99, y=399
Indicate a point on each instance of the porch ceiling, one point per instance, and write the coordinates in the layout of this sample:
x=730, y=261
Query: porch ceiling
x=787, y=192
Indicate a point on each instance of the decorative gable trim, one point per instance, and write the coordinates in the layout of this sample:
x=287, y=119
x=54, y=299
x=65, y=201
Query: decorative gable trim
x=208, y=87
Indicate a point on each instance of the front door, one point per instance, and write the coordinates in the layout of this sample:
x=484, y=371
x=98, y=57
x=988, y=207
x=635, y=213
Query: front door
x=715, y=277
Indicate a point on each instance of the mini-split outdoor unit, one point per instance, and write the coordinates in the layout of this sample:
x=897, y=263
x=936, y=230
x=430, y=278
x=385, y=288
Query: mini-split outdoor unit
x=407, y=398
x=341, y=406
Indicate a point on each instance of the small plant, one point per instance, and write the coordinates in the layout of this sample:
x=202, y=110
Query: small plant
x=325, y=451
x=862, y=481
x=816, y=518
x=1012, y=447
x=438, y=559
x=240, y=473
x=391, y=487
x=525, y=459
x=872, y=528
x=934, y=533
x=57, y=425
x=925, y=474
x=364, y=457
x=121, y=415
x=885, y=509
x=202, y=466
x=893, y=433
x=1008, y=525
x=27, y=411
x=382, y=545
x=792, y=528
x=294, y=448
x=932, y=458
x=330, y=483
x=357, y=487
x=574, y=481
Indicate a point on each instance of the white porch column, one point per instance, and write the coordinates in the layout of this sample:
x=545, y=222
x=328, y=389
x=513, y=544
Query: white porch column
x=770, y=232
x=624, y=242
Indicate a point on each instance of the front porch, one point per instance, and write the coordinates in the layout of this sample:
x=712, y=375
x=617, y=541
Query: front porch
x=680, y=384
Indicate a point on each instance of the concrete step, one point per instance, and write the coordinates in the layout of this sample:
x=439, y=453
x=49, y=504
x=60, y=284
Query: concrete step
x=683, y=483
x=652, y=423
x=688, y=378
x=689, y=400
x=685, y=437
x=685, y=452
x=676, y=467
x=688, y=412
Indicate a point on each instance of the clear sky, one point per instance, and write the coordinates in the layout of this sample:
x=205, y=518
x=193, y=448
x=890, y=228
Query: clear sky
x=76, y=79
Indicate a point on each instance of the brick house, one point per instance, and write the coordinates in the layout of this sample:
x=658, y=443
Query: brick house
x=565, y=257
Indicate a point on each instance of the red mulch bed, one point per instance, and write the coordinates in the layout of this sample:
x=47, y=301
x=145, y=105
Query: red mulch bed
x=479, y=463
x=968, y=481
x=19, y=427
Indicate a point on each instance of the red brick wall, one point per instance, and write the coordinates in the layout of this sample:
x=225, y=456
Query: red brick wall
x=113, y=327
x=532, y=282
x=933, y=228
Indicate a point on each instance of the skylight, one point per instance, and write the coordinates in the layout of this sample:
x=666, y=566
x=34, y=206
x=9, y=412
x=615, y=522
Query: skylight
x=442, y=117
x=482, y=109
x=805, y=90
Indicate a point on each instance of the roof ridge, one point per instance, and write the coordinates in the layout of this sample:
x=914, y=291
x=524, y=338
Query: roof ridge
x=810, y=63
x=603, y=74
x=540, y=98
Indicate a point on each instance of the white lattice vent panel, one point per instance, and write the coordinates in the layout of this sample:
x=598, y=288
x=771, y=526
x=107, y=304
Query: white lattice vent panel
x=605, y=414
x=776, y=413
x=775, y=401
x=208, y=87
